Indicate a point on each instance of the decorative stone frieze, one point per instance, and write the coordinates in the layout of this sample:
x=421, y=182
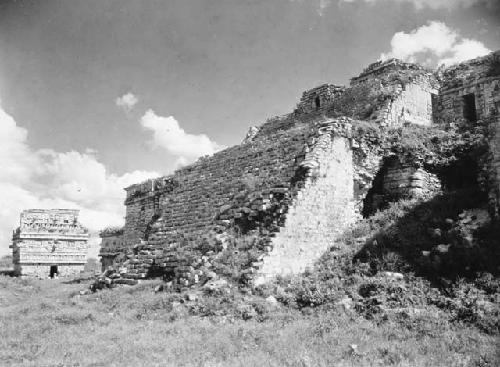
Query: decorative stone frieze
x=49, y=243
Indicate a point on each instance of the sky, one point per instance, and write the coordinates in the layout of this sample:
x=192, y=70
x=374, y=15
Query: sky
x=96, y=95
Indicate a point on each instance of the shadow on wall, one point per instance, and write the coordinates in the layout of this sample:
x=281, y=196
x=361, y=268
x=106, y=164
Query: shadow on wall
x=444, y=238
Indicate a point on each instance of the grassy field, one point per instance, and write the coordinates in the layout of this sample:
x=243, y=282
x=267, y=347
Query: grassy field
x=48, y=323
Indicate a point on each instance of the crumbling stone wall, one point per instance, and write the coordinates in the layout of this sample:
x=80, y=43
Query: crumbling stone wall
x=328, y=197
x=470, y=94
x=318, y=98
x=396, y=180
x=266, y=189
x=48, y=238
x=143, y=207
x=388, y=68
x=496, y=166
x=112, y=245
x=42, y=271
x=168, y=218
x=390, y=93
x=413, y=103
x=471, y=85
x=493, y=167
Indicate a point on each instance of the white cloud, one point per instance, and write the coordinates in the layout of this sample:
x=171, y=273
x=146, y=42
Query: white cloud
x=433, y=4
x=434, y=42
x=127, y=101
x=464, y=50
x=49, y=179
x=16, y=162
x=168, y=134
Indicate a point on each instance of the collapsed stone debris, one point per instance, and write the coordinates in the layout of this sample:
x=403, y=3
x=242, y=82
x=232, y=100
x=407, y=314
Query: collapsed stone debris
x=273, y=204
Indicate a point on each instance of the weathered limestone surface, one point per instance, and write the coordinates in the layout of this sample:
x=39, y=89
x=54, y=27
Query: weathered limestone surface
x=479, y=78
x=494, y=168
x=470, y=92
x=381, y=69
x=390, y=93
x=112, y=245
x=407, y=181
x=323, y=209
x=47, y=238
x=319, y=98
x=183, y=209
x=413, y=104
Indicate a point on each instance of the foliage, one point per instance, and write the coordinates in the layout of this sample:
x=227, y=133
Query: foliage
x=45, y=324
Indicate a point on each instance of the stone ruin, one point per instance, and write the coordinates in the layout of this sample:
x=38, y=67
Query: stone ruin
x=298, y=181
x=49, y=243
x=112, y=242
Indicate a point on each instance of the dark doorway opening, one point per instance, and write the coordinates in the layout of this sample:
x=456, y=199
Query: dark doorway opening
x=434, y=106
x=53, y=271
x=469, y=103
x=317, y=102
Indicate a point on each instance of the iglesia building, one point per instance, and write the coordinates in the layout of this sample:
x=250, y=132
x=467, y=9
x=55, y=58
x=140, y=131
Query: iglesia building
x=49, y=243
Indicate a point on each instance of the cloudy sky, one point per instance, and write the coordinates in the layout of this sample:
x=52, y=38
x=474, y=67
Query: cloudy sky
x=99, y=94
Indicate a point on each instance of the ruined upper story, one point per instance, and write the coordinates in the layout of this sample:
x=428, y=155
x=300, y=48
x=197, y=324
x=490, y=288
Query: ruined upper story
x=469, y=91
x=391, y=92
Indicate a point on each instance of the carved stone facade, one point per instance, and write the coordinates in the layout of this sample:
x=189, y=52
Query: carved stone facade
x=49, y=243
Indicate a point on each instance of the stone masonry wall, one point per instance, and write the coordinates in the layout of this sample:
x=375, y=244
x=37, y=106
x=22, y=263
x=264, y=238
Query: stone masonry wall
x=322, y=210
x=391, y=96
x=42, y=271
x=142, y=204
x=494, y=169
x=112, y=245
x=161, y=219
x=317, y=99
x=480, y=77
x=405, y=181
x=486, y=99
x=413, y=104
x=266, y=191
x=49, y=237
x=471, y=92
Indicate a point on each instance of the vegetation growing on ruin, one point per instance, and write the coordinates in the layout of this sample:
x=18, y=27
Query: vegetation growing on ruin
x=414, y=284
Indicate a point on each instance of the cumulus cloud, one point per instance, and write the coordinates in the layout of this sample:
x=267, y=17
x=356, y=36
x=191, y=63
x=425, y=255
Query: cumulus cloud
x=49, y=179
x=127, y=101
x=435, y=43
x=433, y=4
x=169, y=135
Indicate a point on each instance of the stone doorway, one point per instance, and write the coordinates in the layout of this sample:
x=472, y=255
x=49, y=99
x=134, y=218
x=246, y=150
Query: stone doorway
x=317, y=102
x=469, y=107
x=53, y=271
